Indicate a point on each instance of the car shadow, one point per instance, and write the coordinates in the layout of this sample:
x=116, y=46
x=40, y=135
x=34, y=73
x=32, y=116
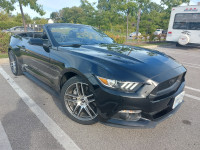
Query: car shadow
x=183, y=48
x=55, y=95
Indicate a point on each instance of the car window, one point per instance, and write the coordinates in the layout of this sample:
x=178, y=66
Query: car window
x=65, y=35
x=190, y=21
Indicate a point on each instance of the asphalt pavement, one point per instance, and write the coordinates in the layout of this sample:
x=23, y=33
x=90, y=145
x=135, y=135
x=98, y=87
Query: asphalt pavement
x=31, y=117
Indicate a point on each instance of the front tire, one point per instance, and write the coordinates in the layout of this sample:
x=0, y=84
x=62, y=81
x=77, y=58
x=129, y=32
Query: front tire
x=78, y=100
x=14, y=65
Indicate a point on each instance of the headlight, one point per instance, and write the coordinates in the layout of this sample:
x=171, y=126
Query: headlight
x=124, y=86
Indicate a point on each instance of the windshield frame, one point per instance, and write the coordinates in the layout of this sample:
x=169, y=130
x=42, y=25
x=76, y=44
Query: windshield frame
x=57, y=25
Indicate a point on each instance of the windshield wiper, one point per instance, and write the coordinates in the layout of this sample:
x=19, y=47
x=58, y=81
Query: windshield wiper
x=72, y=45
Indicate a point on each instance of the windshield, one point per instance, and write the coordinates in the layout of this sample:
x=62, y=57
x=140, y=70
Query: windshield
x=78, y=34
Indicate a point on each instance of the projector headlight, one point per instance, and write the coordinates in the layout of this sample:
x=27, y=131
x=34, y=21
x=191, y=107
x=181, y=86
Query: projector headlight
x=124, y=86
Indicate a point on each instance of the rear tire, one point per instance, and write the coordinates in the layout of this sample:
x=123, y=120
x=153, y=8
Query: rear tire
x=78, y=101
x=14, y=64
x=178, y=45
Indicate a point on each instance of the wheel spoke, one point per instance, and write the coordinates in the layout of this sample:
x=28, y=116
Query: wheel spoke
x=75, y=108
x=87, y=110
x=71, y=100
x=80, y=111
x=91, y=100
x=78, y=89
x=91, y=110
x=74, y=96
x=89, y=95
x=82, y=89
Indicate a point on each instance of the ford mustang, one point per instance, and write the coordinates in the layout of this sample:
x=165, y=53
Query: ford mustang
x=98, y=79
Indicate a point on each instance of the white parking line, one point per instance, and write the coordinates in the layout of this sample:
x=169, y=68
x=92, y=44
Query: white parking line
x=192, y=66
x=181, y=53
x=197, y=65
x=193, y=97
x=51, y=126
x=4, y=142
x=190, y=88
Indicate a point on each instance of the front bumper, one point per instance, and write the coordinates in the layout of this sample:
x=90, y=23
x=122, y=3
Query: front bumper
x=142, y=123
x=148, y=120
x=109, y=103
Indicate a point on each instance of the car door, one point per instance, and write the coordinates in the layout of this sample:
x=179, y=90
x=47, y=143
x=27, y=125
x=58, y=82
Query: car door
x=36, y=62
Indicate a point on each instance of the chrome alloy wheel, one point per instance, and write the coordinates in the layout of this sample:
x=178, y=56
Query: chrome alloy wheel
x=13, y=64
x=80, y=101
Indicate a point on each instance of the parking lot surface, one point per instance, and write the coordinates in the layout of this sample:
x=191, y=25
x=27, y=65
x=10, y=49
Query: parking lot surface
x=31, y=117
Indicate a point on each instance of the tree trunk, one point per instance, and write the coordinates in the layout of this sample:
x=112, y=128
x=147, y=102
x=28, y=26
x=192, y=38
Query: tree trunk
x=22, y=13
x=127, y=26
x=138, y=23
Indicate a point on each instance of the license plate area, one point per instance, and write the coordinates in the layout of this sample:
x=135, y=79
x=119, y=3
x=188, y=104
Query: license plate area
x=178, y=99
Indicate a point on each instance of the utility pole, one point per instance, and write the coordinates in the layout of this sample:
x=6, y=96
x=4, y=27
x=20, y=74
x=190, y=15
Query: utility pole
x=127, y=16
x=127, y=26
x=138, y=23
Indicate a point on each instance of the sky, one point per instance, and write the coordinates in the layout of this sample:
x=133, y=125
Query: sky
x=50, y=6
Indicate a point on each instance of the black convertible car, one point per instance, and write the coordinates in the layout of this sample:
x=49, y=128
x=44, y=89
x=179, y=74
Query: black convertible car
x=99, y=80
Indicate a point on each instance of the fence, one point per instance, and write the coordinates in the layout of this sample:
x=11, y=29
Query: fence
x=36, y=27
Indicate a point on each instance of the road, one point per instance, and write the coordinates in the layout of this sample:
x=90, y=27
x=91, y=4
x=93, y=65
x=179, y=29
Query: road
x=31, y=117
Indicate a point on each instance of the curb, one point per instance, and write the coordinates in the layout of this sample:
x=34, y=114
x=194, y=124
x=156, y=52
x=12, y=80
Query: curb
x=4, y=61
x=150, y=46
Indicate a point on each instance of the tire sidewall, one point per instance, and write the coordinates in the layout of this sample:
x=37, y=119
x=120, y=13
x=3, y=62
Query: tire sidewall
x=18, y=69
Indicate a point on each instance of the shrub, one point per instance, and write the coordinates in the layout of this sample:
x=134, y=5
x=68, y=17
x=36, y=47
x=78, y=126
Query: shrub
x=8, y=24
x=4, y=42
x=152, y=38
x=116, y=38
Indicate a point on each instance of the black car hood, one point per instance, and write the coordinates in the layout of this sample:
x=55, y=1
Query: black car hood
x=148, y=63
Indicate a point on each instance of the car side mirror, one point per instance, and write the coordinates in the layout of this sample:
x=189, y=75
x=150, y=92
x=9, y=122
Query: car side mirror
x=36, y=41
x=46, y=45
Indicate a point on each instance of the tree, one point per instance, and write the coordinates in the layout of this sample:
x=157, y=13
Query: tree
x=89, y=12
x=55, y=16
x=9, y=6
x=37, y=20
x=127, y=7
x=72, y=15
x=18, y=17
x=173, y=3
x=141, y=5
x=111, y=13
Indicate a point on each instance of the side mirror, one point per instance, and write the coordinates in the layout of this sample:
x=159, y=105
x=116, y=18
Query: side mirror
x=46, y=45
x=36, y=41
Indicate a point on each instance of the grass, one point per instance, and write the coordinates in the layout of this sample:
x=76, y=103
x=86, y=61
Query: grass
x=3, y=55
x=146, y=44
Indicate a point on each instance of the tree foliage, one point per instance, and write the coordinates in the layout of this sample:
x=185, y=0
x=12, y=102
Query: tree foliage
x=8, y=5
x=173, y=3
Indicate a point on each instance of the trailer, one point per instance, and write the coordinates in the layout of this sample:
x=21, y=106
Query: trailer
x=184, y=25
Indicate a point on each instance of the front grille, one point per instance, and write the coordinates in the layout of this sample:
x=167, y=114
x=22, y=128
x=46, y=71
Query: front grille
x=168, y=87
x=167, y=84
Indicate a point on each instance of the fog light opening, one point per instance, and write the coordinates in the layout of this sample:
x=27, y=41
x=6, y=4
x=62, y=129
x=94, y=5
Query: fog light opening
x=130, y=115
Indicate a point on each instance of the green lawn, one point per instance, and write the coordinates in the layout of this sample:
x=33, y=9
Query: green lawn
x=3, y=55
x=146, y=44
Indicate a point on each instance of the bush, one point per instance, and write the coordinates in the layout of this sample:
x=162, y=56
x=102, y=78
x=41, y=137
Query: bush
x=4, y=42
x=152, y=38
x=8, y=24
x=116, y=38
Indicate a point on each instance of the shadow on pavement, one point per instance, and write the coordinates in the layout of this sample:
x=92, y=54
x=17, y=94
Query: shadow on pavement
x=55, y=95
x=184, y=48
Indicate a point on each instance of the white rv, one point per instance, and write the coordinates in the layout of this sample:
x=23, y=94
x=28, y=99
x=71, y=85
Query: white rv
x=184, y=25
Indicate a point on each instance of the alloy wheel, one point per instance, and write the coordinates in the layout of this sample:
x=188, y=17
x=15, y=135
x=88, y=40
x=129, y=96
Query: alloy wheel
x=80, y=101
x=13, y=63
